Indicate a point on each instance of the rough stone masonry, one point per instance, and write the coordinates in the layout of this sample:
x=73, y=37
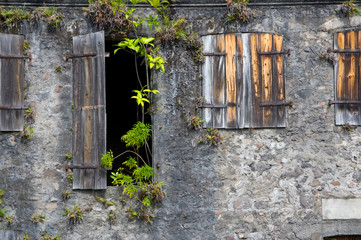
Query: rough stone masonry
x=258, y=184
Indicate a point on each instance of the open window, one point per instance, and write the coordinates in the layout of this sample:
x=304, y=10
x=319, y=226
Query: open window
x=243, y=81
x=99, y=127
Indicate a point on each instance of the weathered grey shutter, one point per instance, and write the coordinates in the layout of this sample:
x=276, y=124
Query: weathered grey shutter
x=11, y=82
x=347, y=78
x=89, y=137
x=242, y=72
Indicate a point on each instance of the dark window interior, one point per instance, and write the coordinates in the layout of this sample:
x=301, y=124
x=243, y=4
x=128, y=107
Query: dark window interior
x=122, y=111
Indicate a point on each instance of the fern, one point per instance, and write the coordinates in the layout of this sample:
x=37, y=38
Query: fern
x=137, y=136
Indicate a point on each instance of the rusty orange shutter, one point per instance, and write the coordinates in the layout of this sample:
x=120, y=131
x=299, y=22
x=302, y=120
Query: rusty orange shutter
x=347, y=78
x=11, y=82
x=89, y=135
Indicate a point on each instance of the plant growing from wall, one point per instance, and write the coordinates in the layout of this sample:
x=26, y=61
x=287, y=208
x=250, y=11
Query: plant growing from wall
x=239, y=10
x=112, y=216
x=74, y=215
x=212, y=136
x=350, y=9
x=46, y=236
x=104, y=201
x=25, y=237
x=11, y=17
x=27, y=132
x=195, y=122
x=49, y=14
x=66, y=195
x=37, y=218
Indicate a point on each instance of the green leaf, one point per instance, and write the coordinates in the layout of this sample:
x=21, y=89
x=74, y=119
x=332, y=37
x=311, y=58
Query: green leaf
x=146, y=201
x=137, y=136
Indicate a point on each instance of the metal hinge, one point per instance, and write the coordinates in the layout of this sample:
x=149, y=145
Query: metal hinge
x=12, y=108
x=288, y=52
x=330, y=102
x=16, y=56
x=215, y=54
x=80, y=55
x=356, y=51
x=275, y=104
x=80, y=167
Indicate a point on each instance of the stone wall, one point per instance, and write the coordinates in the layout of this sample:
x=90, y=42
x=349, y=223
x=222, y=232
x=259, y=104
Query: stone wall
x=259, y=184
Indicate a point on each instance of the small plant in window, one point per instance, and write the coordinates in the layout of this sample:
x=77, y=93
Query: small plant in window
x=195, y=122
x=137, y=136
x=104, y=201
x=350, y=9
x=74, y=215
x=211, y=136
x=112, y=216
x=58, y=69
x=66, y=195
x=238, y=10
x=37, y=218
x=107, y=160
x=46, y=236
x=27, y=133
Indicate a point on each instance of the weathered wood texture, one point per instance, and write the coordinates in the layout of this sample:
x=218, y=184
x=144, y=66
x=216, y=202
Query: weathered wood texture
x=242, y=79
x=89, y=136
x=347, y=78
x=11, y=82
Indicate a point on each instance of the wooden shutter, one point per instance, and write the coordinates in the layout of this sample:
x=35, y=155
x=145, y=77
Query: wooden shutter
x=89, y=138
x=11, y=82
x=241, y=72
x=347, y=77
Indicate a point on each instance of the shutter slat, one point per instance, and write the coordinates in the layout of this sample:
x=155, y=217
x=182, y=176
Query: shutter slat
x=339, y=78
x=219, y=82
x=207, y=72
x=358, y=78
x=241, y=90
x=266, y=76
x=231, y=84
x=11, y=82
x=89, y=111
x=279, y=113
x=257, y=116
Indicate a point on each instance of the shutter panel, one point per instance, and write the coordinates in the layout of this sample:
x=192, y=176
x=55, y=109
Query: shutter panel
x=214, y=81
x=268, y=80
x=253, y=72
x=89, y=138
x=11, y=82
x=347, y=78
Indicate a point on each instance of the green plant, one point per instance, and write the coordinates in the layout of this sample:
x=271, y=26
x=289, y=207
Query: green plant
x=69, y=156
x=139, y=187
x=238, y=10
x=48, y=14
x=70, y=177
x=25, y=237
x=9, y=219
x=2, y=213
x=348, y=127
x=45, y=236
x=112, y=216
x=350, y=9
x=195, y=122
x=58, y=69
x=30, y=113
x=27, y=132
x=75, y=215
x=26, y=47
x=329, y=56
x=211, y=136
x=2, y=191
x=107, y=160
x=110, y=15
x=37, y=218
x=137, y=136
x=13, y=16
x=66, y=195
x=104, y=201
x=143, y=94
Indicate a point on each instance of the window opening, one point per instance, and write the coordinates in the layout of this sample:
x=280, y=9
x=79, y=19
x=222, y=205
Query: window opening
x=122, y=111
